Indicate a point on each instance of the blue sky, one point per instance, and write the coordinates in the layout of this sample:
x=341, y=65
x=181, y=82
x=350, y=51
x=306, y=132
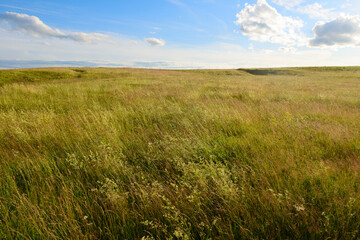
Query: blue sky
x=182, y=33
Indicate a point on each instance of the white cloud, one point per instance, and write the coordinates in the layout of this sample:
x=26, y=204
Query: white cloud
x=288, y=3
x=15, y=46
x=341, y=32
x=346, y=4
x=263, y=23
x=251, y=47
x=287, y=49
x=33, y=26
x=316, y=10
x=154, y=42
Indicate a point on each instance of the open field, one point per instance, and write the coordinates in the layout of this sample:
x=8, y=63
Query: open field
x=200, y=154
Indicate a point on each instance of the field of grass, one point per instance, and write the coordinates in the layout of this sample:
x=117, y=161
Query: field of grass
x=197, y=154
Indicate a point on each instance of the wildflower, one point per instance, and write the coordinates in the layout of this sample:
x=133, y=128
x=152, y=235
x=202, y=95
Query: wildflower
x=299, y=207
x=85, y=217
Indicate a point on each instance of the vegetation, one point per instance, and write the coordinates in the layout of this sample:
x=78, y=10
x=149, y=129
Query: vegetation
x=201, y=154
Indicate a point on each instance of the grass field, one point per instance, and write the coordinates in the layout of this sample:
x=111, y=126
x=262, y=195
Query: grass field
x=197, y=154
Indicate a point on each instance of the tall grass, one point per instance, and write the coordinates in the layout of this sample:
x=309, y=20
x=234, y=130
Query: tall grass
x=150, y=154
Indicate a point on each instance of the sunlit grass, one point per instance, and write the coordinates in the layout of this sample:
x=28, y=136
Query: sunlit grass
x=205, y=154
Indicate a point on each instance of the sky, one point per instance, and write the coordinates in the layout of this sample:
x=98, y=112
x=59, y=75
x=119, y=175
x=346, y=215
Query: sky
x=179, y=33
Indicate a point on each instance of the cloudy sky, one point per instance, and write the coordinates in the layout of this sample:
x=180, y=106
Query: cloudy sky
x=180, y=33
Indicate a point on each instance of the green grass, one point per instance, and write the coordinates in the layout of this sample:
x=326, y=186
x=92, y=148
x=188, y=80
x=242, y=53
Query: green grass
x=197, y=154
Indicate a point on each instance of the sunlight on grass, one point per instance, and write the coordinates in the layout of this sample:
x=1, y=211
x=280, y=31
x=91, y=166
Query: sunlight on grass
x=156, y=154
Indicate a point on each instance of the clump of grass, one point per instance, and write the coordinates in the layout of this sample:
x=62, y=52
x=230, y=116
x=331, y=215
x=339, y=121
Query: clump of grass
x=155, y=154
x=37, y=75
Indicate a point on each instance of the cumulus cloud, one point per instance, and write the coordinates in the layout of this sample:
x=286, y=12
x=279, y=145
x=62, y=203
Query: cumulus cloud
x=155, y=42
x=33, y=26
x=263, y=23
x=288, y=3
x=341, y=32
x=316, y=10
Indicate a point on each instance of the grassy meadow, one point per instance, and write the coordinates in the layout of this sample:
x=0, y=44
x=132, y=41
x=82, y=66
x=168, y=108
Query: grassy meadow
x=188, y=154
